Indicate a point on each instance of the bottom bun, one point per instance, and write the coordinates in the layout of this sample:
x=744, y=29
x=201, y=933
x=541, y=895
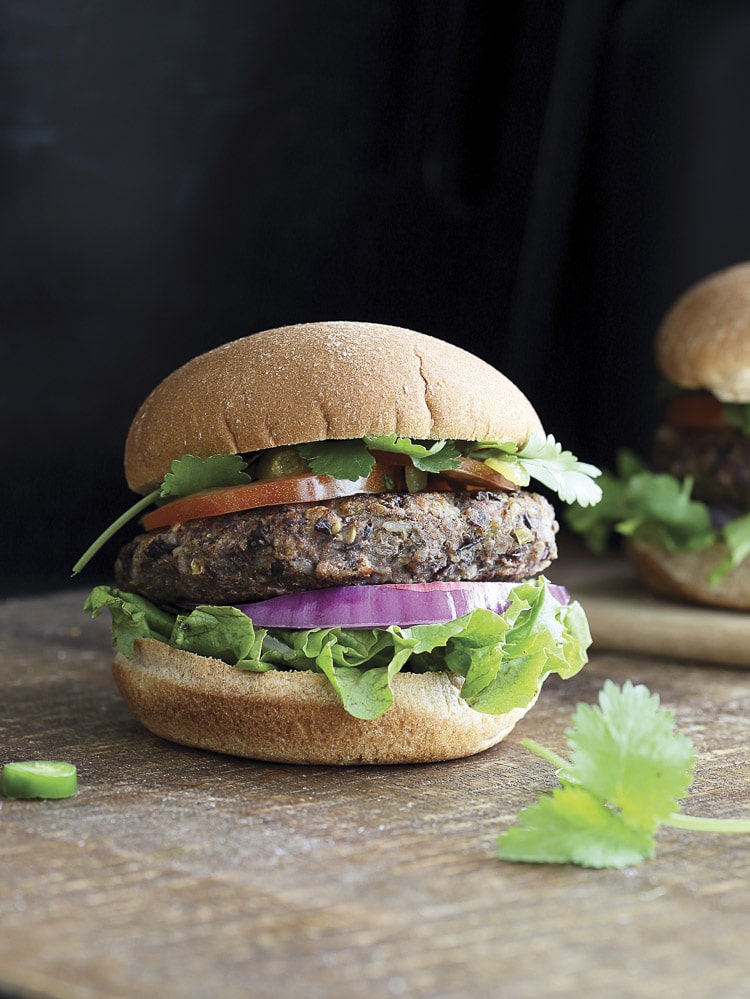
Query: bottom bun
x=685, y=575
x=296, y=717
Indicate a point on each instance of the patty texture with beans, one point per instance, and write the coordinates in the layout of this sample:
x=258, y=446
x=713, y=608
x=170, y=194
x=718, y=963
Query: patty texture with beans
x=364, y=539
x=718, y=460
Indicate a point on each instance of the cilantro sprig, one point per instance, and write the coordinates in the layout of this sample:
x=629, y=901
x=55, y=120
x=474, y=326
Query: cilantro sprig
x=628, y=770
x=543, y=459
x=187, y=475
x=190, y=475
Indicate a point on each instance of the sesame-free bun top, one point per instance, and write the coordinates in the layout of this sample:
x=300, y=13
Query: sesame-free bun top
x=322, y=381
x=703, y=341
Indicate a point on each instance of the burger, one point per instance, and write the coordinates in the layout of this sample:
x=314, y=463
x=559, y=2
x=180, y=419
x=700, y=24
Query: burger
x=338, y=561
x=685, y=514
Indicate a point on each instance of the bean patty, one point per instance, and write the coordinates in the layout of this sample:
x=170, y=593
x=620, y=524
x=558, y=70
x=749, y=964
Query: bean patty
x=388, y=538
x=718, y=461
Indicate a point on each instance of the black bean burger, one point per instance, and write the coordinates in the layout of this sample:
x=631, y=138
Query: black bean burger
x=339, y=563
x=685, y=513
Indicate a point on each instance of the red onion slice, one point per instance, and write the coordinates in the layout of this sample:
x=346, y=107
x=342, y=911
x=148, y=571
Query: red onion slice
x=560, y=593
x=380, y=606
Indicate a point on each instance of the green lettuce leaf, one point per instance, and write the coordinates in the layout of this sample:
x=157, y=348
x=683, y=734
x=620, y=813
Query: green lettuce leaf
x=736, y=536
x=133, y=617
x=503, y=658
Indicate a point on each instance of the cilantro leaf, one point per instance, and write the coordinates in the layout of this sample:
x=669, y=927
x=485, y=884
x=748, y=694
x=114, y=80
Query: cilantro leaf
x=629, y=767
x=572, y=480
x=736, y=535
x=615, y=747
x=347, y=459
x=644, y=504
x=596, y=523
x=435, y=458
x=190, y=474
x=573, y=826
x=659, y=507
x=187, y=475
x=543, y=459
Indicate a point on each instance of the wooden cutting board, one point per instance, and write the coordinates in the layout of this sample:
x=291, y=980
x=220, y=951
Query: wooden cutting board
x=625, y=616
x=185, y=875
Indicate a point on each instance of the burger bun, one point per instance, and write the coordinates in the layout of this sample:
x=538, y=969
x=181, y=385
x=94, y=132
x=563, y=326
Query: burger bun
x=322, y=381
x=703, y=341
x=295, y=716
x=685, y=575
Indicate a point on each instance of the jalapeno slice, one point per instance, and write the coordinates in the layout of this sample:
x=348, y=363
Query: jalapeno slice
x=39, y=779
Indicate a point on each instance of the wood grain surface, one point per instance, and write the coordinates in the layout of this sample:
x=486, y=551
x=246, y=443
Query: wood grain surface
x=179, y=873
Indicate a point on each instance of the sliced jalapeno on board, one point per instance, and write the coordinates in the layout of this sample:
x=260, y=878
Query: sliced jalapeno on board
x=39, y=779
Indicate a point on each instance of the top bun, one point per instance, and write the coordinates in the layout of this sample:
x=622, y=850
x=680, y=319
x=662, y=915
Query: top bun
x=322, y=381
x=704, y=340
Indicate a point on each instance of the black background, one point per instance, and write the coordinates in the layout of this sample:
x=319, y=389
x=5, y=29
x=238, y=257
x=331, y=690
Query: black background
x=535, y=181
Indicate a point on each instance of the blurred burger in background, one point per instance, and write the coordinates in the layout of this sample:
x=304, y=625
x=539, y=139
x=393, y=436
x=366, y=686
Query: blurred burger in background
x=685, y=517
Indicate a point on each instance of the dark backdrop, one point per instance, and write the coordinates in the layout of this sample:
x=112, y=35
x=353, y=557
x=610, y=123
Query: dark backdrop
x=535, y=181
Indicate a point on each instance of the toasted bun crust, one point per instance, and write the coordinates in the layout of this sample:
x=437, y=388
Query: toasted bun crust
x=704, y=340
x=295, y=717
x=320, y=381
x=685, y=574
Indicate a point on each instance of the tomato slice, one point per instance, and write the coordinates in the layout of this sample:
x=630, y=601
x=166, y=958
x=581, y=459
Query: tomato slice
x=309, y=488
x=306, y=488
x=697, y=410
x=476, y=473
